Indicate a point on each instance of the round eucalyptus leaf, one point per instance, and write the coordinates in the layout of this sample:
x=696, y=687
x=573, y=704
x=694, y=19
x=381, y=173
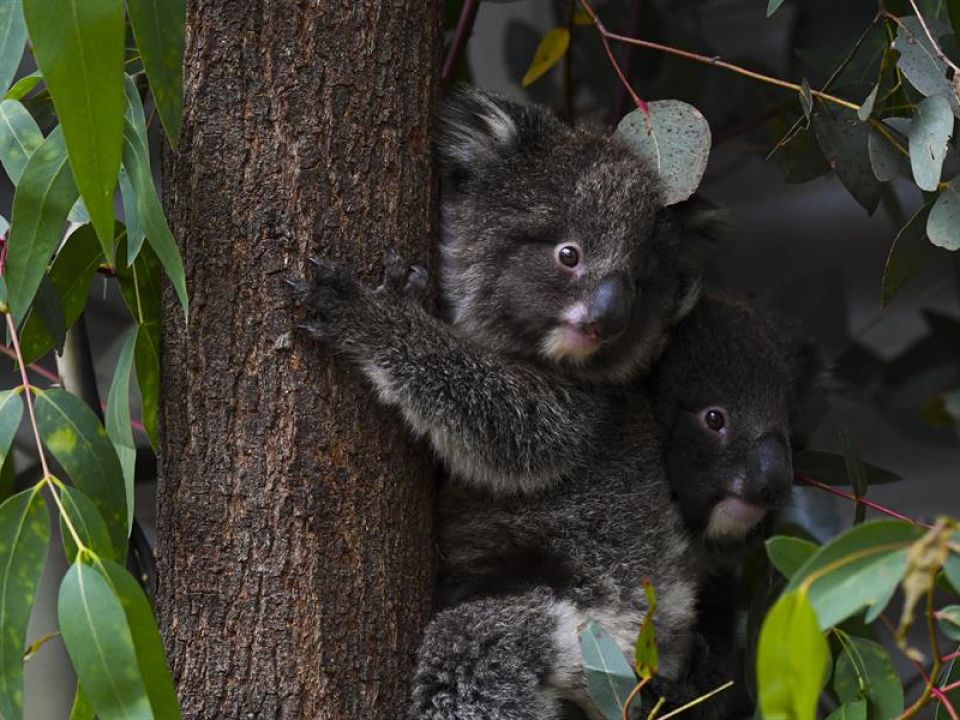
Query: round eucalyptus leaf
x=930, y=131
x=943, y=225
x=675, y=140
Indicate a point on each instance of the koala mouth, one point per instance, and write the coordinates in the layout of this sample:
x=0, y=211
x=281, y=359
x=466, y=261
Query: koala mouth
x=733, y=517
x=570, y=342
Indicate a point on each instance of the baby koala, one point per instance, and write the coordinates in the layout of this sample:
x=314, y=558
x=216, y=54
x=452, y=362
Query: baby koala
x=562, y=274
x=736, y=392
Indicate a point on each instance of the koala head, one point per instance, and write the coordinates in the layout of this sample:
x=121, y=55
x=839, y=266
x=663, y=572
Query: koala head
x=734, y=392
x=556, y=244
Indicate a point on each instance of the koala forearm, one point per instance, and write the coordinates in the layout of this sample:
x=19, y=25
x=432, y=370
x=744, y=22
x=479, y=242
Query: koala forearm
x=500, y=425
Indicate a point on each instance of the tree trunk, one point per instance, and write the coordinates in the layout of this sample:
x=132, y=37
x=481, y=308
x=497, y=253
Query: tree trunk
x=295, y=549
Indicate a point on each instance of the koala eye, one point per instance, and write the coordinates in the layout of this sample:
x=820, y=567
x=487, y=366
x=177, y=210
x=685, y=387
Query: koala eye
x=715, y=419
x=568, y=255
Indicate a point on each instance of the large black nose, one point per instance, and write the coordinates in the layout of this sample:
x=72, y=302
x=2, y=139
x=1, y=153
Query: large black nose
x=609, y=308
x=771, y=474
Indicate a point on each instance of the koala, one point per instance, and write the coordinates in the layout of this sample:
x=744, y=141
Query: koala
x=562, y=272
x=736, y=392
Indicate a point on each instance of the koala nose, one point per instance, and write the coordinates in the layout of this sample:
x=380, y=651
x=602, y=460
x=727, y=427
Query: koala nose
x=772, y=472
x=609, y=309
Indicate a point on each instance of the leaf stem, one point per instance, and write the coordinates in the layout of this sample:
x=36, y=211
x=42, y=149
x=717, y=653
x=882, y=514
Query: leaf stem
x=632, y=696
x=697, y=701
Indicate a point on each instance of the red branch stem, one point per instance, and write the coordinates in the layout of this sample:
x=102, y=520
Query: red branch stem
x=468, y=15
x=807, y=480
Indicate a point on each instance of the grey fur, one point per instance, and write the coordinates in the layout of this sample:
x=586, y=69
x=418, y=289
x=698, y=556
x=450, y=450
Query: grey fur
x=557, y=505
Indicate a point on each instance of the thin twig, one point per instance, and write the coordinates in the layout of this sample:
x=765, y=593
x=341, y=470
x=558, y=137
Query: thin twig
x=697, y=701
x=468, y=15
x=933, y=41
x=807, y=480
x=632, y=696
x=606, y=36
x=38, y=369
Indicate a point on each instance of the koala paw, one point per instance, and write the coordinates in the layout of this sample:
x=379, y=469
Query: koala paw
x=403, y=279
x=330, y=295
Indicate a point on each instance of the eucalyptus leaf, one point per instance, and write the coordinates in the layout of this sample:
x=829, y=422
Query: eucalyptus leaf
x=11, y=413
x=949, y=620
x=43, y=198
x=48, y=307
x=609, y=675
x=907, y=254
x=151, y=656
x=806, y=99
x=158, y=26
x=95, y=630
x=88, y=524
x=788, y=554
x=831, y=468
x=13, y=36
x=843, y=140
x=674, y=140
x=81, y=709
x=24, y=539
x=930, y=132
x=920, y=63
x=856, y=473
x=71, y=273
x=943, y=224
x=864, y=563
x=78, y=45
x=20, y=136
x=24, y=86
x=866, y=109
x=856, y=710
x=792, y=660
x=553, y=46
x=864, y=671
x=884, y=158
x=773, y=6
x=951, y=569
x=80, y=444
x=118, y=419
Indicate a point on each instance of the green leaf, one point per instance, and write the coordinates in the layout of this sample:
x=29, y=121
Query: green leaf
x=13, y=35
x=919, y=61
x=78, y=46
x=949, y=620
x=866, y=109
x=788, y=554
x=884, y=157
x=118, y=419
x=81, y=709
x=80, y=444
x=674, y=140
x=951, y=569
x=88, y=523
x=646, y=656
x=792, y=660
x=773, y=6
x=71, y=273
x=135, y=117
x=950, y=675
x=909, y=250
x=831, y=468
x=874, y=611
x=24, y=538
x=806, y=99
x=864, y=563
x=23, y=87
x=930, y=132
x=843, y=140
x=11, y=412
x=158, y=26
x=98, y=639
x=856, y=710
x=553, y=46
x=136, y=159
x=140, y=287
x=609, y=675
x=943, y=225
x=856, y=473
x=146, y=640
x=40, y=205
x=20, y=136
x=48, y=307
x=864, y=671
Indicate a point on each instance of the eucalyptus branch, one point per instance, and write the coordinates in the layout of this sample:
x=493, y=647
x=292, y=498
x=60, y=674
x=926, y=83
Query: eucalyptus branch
x=715, y=61
x=468, y=15
x=605, y=36
x=934, y=44
x=807, y=480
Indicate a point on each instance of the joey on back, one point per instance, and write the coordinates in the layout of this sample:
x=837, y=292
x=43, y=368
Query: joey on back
x=562, y=274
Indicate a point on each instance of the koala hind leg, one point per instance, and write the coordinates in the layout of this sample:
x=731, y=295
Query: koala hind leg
x=505, y=658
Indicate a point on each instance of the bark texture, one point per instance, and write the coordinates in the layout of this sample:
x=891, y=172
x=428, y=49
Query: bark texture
x=294, y=515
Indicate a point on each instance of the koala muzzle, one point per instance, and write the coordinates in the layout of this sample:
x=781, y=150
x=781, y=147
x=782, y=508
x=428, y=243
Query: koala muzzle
x=609, y=309
x=771, y=474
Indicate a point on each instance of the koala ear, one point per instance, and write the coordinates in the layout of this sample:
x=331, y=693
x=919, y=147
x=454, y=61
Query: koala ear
x=474, y=124
x=808, y=397
x=687, y=235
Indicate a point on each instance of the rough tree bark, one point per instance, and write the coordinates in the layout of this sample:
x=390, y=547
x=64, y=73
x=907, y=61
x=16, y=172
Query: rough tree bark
x=294, y=518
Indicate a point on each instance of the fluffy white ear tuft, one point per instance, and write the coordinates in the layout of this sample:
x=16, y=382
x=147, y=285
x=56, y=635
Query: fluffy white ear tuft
x=475, y=123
